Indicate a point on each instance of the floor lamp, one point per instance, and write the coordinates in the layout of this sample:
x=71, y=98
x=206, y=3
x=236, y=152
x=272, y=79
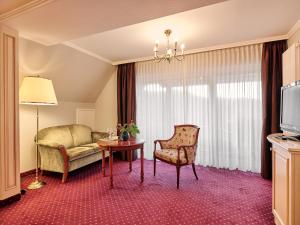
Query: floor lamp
x=37, y=91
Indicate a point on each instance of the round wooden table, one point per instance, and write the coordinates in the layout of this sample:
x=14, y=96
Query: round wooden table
x=117, y=146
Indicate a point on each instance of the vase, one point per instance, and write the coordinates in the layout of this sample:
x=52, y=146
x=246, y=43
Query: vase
x=125, y=136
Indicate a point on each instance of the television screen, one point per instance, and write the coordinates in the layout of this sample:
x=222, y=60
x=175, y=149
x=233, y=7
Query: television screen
x=290, y=108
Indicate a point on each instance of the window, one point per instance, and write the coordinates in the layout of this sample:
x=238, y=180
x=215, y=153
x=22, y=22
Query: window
x=220, y=91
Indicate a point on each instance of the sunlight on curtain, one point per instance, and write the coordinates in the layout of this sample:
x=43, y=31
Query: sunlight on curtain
x=220, y=91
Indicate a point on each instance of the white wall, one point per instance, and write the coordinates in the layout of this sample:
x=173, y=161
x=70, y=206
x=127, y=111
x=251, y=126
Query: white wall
x=106, y=105
x=64, y=113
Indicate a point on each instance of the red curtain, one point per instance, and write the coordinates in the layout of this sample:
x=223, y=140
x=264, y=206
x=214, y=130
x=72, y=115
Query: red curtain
x=126, y=97
x=271, y=72
x=126, y=93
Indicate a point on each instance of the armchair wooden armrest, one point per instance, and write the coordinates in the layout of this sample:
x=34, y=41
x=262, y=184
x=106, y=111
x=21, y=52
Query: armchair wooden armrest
x=185, y=148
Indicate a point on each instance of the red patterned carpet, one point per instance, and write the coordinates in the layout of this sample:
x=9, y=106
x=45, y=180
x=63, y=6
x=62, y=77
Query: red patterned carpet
x=218, y=197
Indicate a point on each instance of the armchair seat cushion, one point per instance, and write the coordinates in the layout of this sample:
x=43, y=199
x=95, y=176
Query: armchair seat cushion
x=171, y=155
x=80, y=152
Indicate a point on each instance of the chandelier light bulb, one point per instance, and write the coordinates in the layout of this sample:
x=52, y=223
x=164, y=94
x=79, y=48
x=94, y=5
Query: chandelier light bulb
x=171, y=52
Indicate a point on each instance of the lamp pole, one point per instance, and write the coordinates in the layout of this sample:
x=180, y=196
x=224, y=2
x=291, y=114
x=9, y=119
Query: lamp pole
x=37, y=183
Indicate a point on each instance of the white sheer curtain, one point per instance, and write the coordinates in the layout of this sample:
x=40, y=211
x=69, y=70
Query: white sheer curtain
x=220, y=91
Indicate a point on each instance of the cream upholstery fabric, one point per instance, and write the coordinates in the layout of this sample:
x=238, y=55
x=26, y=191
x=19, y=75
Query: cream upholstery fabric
x=60, y=135
x=184, y=136
x=171, y=155
x=80, y=152
x=51, y=159
x=81, y=134
x=77, y=140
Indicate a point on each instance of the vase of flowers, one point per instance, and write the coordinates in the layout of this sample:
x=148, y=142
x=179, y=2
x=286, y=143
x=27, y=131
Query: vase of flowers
x=128, y=130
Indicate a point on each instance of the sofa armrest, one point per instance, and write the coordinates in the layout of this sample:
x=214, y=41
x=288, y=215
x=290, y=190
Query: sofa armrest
x=49, y=144
x=98, y=135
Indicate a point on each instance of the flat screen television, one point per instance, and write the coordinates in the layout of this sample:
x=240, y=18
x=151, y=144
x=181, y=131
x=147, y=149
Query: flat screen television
x=290, y=108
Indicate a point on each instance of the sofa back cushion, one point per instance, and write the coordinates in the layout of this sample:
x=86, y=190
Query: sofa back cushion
x=59, y=134
x=81, y=134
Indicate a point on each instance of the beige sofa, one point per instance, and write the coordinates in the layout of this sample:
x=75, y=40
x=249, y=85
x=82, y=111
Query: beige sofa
x=67, y=148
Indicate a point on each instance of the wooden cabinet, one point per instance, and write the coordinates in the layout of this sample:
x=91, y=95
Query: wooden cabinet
x=291, y=64
x=9, y=116
x=286, y=181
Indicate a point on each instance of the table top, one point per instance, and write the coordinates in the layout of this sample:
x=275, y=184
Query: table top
x=118, y=143
x=286, y=144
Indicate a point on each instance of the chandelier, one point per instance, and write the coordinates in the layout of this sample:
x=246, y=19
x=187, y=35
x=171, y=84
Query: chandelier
x=170, y=53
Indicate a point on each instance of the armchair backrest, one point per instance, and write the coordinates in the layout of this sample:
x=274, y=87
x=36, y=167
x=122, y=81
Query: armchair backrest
x=183, y=135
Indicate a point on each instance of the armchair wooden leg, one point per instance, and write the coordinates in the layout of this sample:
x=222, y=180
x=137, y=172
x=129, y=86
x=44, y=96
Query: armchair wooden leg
x=194, y=170
x=178, y=175
x=154, y=168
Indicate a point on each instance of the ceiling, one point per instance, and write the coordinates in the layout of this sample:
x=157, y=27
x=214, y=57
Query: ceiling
x=8, y=5
x=121, y=30
x=62, y=20
x=228, y=22
x=71, y=41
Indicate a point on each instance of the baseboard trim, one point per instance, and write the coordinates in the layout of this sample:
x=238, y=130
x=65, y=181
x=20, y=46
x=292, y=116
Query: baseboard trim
x=10, y=200
x=29, y=172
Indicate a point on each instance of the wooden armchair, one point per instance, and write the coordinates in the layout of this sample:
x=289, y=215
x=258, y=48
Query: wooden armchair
x=180, y=149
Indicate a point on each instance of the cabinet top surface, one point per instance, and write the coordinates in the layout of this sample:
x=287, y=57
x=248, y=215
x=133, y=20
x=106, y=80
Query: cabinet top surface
x=286, y=144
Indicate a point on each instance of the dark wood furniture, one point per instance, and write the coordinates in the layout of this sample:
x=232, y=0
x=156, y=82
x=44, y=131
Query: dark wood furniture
x=180, y=149
x=119, y=146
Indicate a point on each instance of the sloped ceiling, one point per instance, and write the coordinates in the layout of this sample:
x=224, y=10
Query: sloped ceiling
x=78, y=37
x=62, y=20
x=117, y=30
x=76, y=76
x=227, y=22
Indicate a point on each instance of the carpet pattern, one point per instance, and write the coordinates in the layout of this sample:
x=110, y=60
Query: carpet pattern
x=218, y=197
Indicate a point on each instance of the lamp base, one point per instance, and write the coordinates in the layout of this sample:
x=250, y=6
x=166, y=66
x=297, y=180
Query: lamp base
x=36, y=185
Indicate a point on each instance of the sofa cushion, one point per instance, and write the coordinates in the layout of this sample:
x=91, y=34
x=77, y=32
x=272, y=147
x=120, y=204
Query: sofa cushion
x=80, y=152
x=91, y=145
x=81, y=134
x=59, y=134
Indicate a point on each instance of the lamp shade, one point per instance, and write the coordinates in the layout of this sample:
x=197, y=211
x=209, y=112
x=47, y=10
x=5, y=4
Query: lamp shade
x=37, y=91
